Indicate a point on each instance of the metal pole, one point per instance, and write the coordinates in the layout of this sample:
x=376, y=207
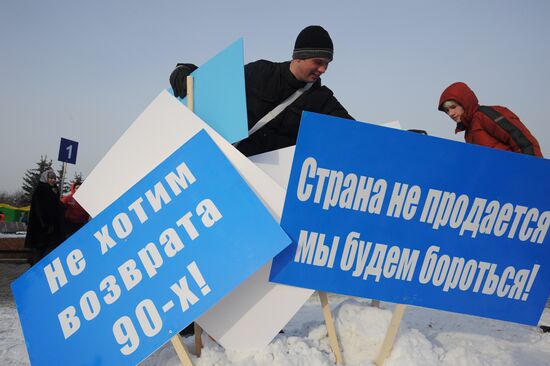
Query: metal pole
x=62, y=183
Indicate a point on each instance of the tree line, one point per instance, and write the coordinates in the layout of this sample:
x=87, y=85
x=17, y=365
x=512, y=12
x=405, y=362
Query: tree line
x=22, y=197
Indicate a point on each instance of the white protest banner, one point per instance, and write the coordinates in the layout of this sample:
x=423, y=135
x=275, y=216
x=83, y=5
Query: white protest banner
x=277, y=164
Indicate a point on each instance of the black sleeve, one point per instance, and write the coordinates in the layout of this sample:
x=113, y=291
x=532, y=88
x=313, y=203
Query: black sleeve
x=322, y=100
x=42, y=203
x=337, y=110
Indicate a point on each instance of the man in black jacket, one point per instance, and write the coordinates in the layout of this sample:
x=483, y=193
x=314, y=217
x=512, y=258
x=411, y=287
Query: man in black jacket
x=269, y=84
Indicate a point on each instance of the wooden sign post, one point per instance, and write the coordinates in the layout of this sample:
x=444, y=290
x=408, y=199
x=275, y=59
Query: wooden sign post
x=333, y=339
x=389, y=340
x=181, y=350
x=177, y=342
x=191, y=106
x=198, y=339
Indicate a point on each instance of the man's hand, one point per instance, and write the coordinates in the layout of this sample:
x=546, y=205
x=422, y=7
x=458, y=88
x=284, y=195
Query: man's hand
x=178, y=79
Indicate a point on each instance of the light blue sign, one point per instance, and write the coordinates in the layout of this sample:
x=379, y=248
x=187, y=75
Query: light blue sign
x=219, y=93
x=397, y=216
x=156, y=259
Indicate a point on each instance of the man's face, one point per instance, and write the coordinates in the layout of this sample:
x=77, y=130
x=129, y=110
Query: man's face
x=311, y=69
x=51, y=181
x=454, y=110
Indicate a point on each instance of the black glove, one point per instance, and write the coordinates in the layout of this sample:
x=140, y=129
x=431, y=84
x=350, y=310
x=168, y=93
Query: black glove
x=178, y=78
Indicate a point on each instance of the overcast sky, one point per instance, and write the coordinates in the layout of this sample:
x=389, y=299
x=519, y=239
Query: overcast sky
x=84, y=70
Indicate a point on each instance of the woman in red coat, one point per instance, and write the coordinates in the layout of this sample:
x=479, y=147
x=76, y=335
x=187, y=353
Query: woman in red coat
x=494, y=126
x=75, y=215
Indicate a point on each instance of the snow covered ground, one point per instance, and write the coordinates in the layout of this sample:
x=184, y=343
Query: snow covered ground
x=426, y=337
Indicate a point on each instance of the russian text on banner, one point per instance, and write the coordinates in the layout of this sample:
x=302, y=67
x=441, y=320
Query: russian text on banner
x=412, y=219
x=156, y=259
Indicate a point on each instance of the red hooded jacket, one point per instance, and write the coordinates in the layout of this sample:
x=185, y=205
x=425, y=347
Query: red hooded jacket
x=482, y=130
x=73, y=211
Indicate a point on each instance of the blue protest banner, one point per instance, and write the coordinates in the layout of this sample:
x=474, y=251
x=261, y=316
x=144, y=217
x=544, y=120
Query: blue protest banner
x=413, y=219
x=156, y=259
x=67, y=151
x=219, y=93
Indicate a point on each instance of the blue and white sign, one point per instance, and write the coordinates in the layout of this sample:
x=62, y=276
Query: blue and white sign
x=412, y=219
x=67, y=151
x=148, y=265
x=219, y=93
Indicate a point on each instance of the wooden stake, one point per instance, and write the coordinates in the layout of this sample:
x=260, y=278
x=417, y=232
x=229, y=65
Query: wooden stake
x=190, y=94
x=62, y=183
x=181, y=350
x=177, y=342
x=387, y=345
x=191, y=106
x=333, y=340
x=198, y=340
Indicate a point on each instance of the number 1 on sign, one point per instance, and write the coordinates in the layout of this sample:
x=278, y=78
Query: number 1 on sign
x=70, y=150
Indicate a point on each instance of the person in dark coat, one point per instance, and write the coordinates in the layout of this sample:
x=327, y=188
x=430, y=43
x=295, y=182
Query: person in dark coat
x=45, y=227
x=268, y=84
x=506, y=132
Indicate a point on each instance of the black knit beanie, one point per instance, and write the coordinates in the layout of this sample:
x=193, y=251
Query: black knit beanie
x=313, y=41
